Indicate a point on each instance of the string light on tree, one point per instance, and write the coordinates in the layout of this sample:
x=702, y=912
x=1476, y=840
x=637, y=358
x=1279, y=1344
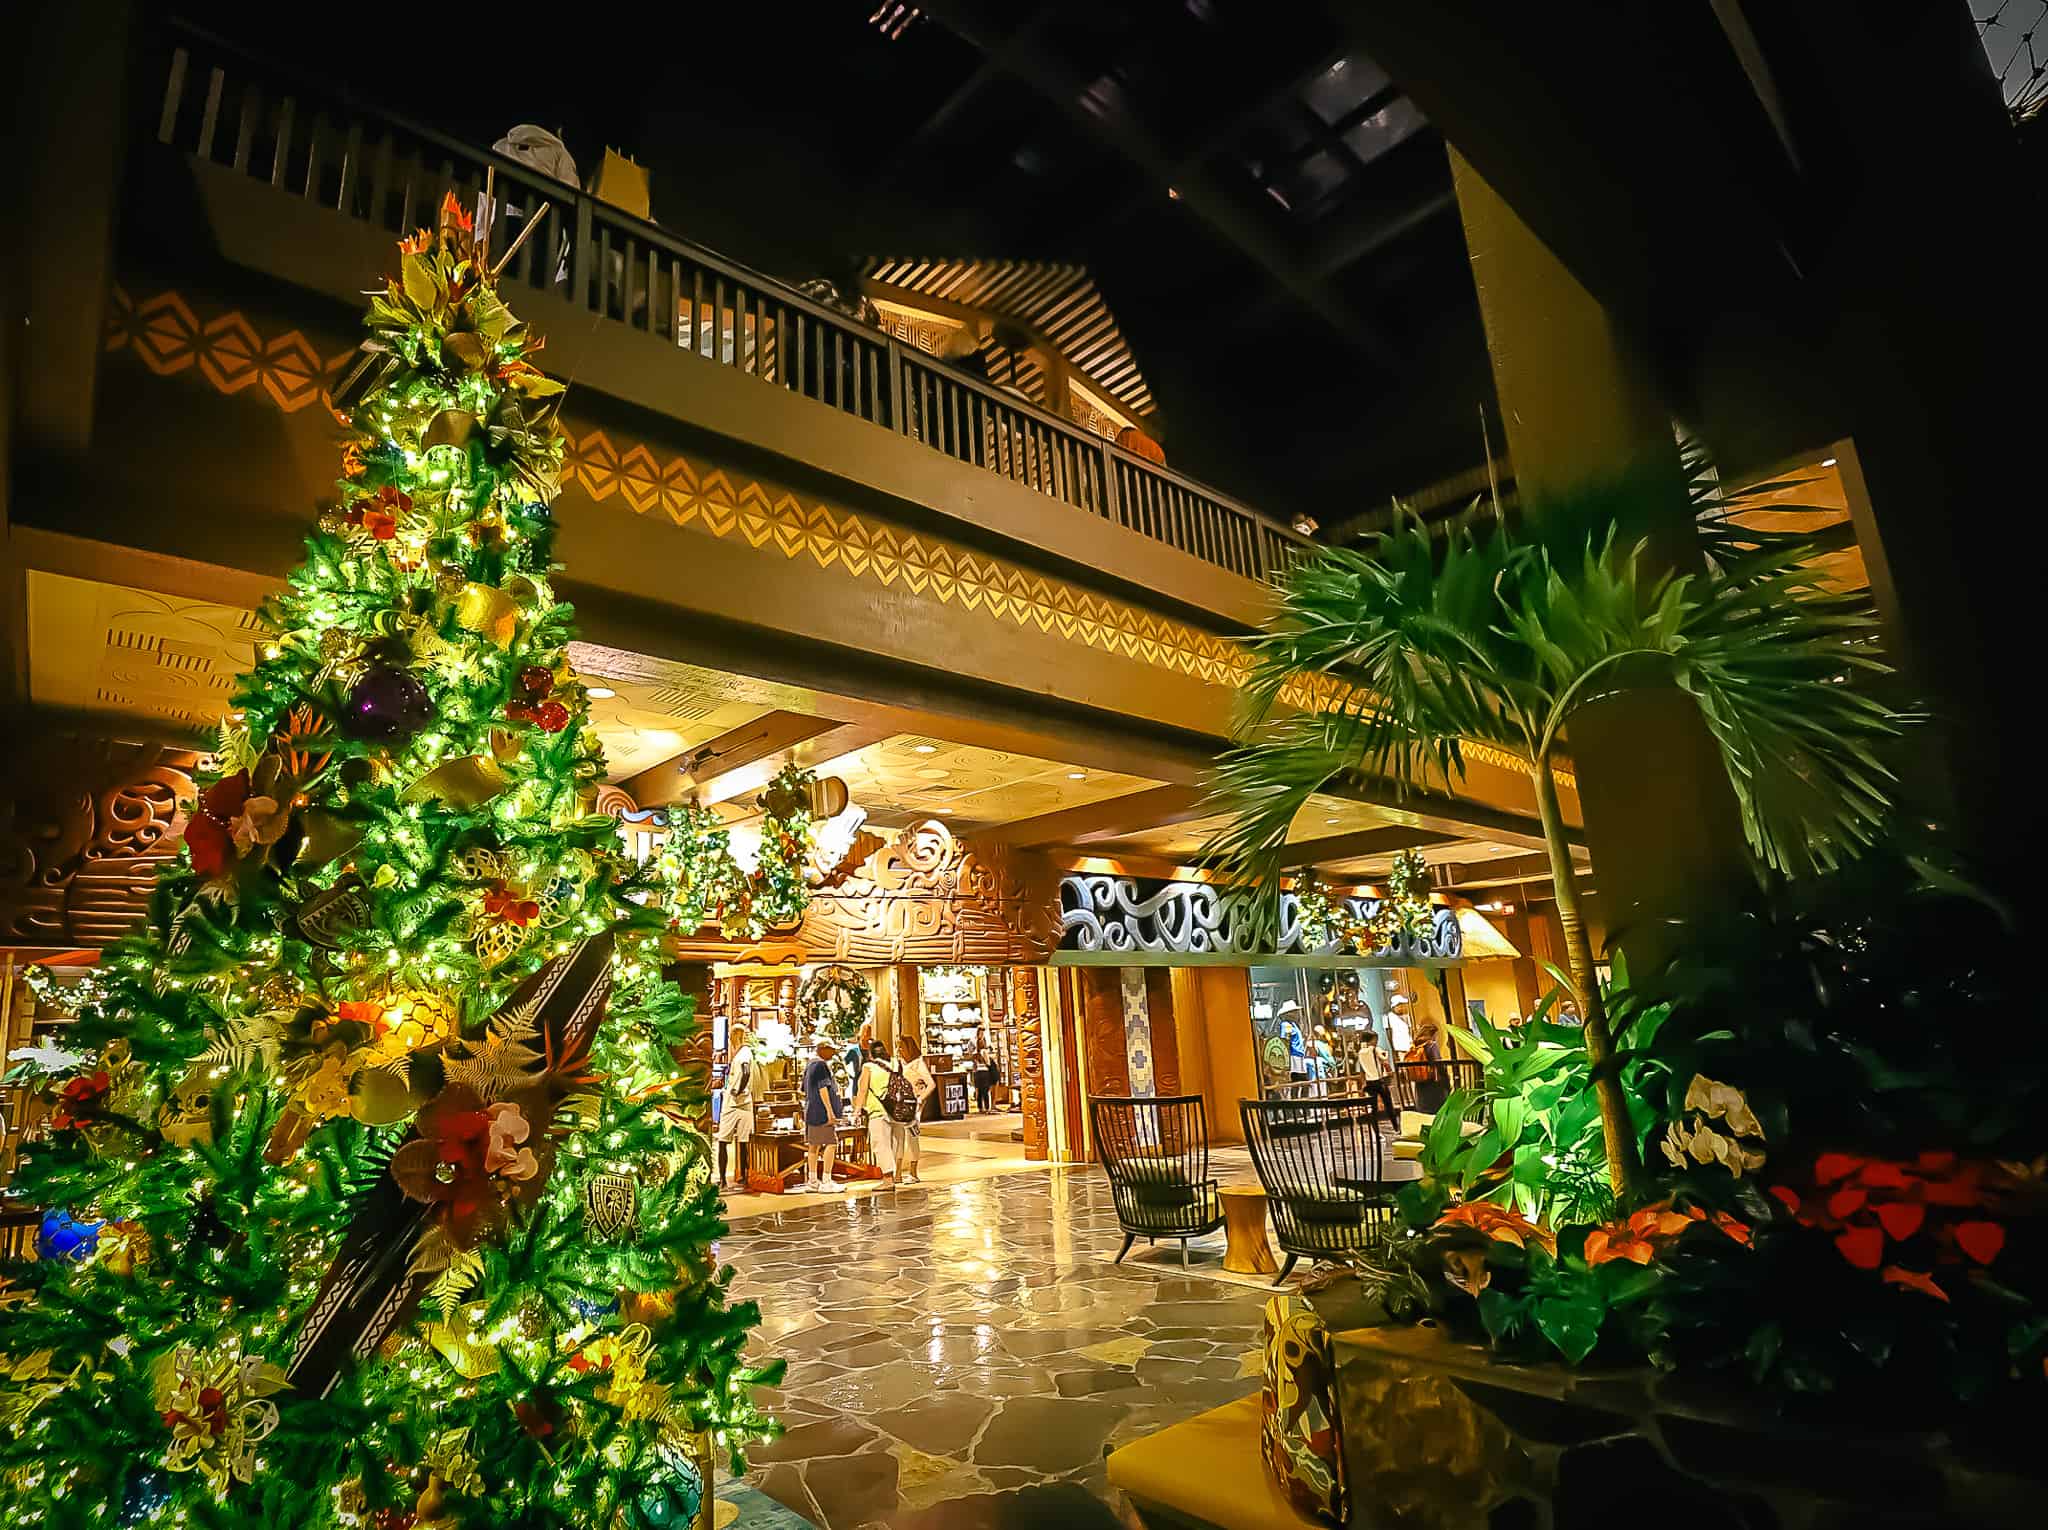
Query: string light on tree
x=398, y=839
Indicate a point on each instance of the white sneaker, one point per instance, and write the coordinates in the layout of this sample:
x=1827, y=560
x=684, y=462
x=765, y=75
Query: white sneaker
x=808, y=1187
x=833, y=1187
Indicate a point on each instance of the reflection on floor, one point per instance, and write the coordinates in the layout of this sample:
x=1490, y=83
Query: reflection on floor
x=960, y=1355
x=973, y=1147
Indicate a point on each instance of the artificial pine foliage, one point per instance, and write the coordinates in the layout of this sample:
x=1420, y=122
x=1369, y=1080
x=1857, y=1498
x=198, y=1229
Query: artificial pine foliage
x=327, y=1014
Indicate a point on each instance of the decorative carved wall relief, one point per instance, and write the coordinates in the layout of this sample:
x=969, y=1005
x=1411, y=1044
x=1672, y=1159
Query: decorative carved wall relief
x=1030, y=1059
x=927, y=897
x=1106, y=913
x=84, y=823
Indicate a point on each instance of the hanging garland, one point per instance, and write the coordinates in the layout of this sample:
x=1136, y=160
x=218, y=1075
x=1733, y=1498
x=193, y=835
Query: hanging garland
x=1403, y=913
x=702, y=883
x=834, y=1001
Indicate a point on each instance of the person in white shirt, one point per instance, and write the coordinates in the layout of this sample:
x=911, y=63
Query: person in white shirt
x=736, y=1110
x=911, y=1062
x=1377, y=1069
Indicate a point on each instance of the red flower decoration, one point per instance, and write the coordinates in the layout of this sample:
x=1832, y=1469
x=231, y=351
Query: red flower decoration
x=363, y=1012
x=209, y=837
x=1980, y=1240
x=1862, y=1246
x=500, y=902
x=78, y=1101
x=379, y=513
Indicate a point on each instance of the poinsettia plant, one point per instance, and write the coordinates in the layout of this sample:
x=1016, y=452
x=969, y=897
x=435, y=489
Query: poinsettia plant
x=1841, y=1197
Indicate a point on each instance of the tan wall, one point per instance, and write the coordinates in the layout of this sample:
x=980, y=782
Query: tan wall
x=1496, y=983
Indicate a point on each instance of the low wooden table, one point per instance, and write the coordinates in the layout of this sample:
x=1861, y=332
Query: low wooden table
x=1245, y=1249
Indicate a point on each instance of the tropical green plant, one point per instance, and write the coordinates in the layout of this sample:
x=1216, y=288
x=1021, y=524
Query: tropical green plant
x=1382, y=664
x=1540, y=1148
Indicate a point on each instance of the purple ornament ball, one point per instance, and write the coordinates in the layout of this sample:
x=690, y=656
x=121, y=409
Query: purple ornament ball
x=386, y=706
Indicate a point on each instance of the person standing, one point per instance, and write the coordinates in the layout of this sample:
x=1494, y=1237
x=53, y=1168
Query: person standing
x=736, y=1110
x=862, y=1049
x=871, y=1109
x=910, y=1147
x=981, y=1075
x=822, y=1110
x=1376, y=1069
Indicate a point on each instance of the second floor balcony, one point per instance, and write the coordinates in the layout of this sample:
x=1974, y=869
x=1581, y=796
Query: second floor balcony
x=304, y=184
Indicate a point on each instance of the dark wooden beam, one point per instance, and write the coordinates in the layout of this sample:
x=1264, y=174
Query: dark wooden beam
x=1027, y=60
x=1109, y=819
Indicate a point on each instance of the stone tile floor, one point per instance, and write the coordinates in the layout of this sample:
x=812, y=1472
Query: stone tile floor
x=960, y=1355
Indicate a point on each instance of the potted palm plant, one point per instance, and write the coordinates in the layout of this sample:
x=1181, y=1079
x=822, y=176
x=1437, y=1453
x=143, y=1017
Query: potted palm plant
x=1413, y=646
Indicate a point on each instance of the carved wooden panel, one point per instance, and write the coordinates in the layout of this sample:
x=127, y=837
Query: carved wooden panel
x=1030, y=1059
x=84, y=823
x=927, y=897
x=1103, y=1038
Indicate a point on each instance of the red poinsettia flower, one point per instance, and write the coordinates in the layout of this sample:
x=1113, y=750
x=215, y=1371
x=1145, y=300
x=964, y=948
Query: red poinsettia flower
x=1868, y=1203
x=78, y=1100
x=381, y=524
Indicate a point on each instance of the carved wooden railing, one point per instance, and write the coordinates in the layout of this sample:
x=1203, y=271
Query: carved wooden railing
x=260, y=120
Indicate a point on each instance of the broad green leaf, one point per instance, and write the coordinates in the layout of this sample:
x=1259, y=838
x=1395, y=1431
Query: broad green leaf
x=1572, y=1324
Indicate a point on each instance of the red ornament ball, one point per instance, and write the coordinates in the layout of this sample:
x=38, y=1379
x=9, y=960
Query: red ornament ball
x=536, y=680
x=552, y=716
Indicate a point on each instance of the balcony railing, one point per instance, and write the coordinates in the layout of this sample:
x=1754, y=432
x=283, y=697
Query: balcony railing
x=225, y=108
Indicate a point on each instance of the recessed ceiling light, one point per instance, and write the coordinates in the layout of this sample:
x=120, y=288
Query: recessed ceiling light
x=1329, y=820
x=1827, y=461
x=1077, y=775
x=924, y=748
x=599, y=692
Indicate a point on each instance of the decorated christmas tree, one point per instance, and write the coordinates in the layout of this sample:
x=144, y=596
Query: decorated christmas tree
x=382, y=1201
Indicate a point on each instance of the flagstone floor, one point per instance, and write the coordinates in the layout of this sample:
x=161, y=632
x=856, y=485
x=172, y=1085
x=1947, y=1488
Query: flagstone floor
x=960, y=1355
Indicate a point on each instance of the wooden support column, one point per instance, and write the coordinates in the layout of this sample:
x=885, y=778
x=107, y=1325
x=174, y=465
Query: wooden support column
x=1024, y=1002
x=1581, y=412
x=694, y=1055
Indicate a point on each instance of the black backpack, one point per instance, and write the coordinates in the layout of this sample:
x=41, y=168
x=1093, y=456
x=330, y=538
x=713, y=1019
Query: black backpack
x=899, y=1099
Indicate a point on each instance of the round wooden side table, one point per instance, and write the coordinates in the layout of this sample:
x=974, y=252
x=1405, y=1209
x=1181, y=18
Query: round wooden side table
x=1245, y=1249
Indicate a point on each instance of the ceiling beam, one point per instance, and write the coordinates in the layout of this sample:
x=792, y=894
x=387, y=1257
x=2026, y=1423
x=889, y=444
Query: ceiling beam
x=659, y=785
x=814, y=753
x=1111, y=818
x=1506, y=872
x=1019, y=54
x=1381, y=840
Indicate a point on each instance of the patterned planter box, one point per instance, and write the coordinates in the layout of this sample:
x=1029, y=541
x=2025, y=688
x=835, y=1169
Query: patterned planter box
x=1438, y=1435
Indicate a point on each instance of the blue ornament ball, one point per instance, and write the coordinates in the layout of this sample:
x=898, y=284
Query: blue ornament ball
x=148, y=1495
x=63, y=1236
x=673, y=1493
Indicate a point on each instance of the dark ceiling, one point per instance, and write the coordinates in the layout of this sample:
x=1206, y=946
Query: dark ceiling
x=1268, y=214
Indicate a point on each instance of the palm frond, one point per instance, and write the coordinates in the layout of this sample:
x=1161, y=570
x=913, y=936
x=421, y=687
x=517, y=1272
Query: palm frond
x=1375, y=666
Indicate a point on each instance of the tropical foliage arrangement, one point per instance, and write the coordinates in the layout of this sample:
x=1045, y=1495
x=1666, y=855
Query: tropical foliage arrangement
x=1840, y=1195
x=1415, y=645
